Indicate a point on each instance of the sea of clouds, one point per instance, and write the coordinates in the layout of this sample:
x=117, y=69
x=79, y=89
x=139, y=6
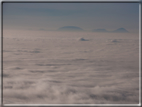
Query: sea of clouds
x=70, y=68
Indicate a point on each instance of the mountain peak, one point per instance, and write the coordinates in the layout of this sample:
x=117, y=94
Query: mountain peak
x=121, y=30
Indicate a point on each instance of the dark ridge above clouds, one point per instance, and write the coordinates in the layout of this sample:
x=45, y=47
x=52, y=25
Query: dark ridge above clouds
x=102, y=30
x=119, y=30
x=70, y=28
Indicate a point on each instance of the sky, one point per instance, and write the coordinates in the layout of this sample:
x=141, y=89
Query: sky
x=88, y=16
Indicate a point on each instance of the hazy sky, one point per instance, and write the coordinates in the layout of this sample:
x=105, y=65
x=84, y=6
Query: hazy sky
x=88, y=16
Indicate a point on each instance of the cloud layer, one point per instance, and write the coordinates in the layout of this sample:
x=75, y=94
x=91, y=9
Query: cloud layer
x=58, y=68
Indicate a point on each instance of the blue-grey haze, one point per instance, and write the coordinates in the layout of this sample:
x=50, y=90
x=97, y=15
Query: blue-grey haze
x=88, y=16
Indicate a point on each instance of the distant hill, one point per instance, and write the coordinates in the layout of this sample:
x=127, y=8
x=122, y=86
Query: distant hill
x=99, y=30
x=120, y=30
x=70, y=28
